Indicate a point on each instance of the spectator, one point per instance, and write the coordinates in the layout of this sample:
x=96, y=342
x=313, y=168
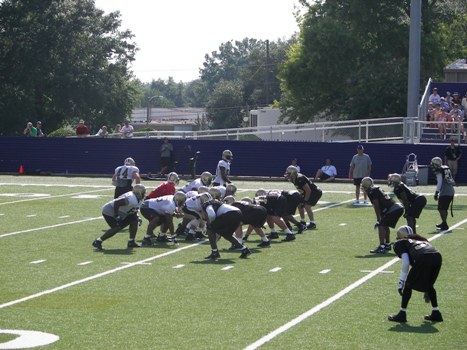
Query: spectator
x=456, y=120
x=40, y=133
x=456, y=99
x=327, y=173
x=444, y=193
x=117, y=132
x=434, y=97
x=464, y=105
x=444, y=105
x=360, y=167
x=30, y=130
x=452, y=154
x=429, y=116
x=124, y=176
x=426, y=263
x=166, y=154
x=449, y=99
x=103, y=132
x=440, y=118
x=127, y=130
x=294, y=162
x=82, y=129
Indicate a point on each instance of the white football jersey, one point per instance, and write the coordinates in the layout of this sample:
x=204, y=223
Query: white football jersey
x=163, y=205
x=124, y=175
x=222, y=164
x=190, y=194
x=195, y=184
x=132, y=206
x=194, y=204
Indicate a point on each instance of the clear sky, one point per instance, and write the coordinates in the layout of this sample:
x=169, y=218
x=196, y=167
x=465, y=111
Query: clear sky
x=174, y=35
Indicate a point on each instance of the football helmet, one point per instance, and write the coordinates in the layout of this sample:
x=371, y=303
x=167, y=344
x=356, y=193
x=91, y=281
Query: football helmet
x=367, y=183
x=173, y=178
x=227, y=155
x=129, y=162
x=246, y=199
x=231, y=189
x=206, y=178
x=205, y=197
x=436, y=162
x=404, y=232
x=215, y=193
x=291, y=172
x=203, y=189
x=229, y=199
x=179, y=198
x=394, y=179
x=260, y=192
x=140, y=191
x=261, y=200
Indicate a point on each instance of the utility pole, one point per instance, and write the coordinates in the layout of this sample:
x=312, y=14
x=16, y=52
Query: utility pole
x=267, y=72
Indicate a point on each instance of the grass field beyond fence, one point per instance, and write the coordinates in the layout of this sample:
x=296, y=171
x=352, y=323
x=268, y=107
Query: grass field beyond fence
x=322, y=291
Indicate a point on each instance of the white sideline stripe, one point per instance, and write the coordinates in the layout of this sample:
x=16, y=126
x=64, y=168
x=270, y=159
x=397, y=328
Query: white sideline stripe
x=31, y=215
x=372, y=271
x=325, y=271
x=178, y=266
x=85, y=263
x=99, y=275
x=276, y=269
x=51, y=197
x=64, y=216
x=332, y=299
x=54, y=185
x=38, y=261
x=52, y=226
x=139, y=263
x=227, y=268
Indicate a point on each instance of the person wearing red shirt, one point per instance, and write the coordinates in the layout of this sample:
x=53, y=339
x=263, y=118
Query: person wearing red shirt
x=165, y=188
x=82, y=129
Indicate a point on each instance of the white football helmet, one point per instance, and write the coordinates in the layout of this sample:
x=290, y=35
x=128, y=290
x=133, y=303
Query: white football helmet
x=261, y=200
x=394, y=179
x=173, y=178
x=227, y=155
x=205, y=197
x=215, y=193
x=203, y=189
x=140, y=191
x=129, y=162
x=367, y=183
x=231, y=189
x=229, y=199
x=246, y=199
x=260, y=192
x=291, y=172
x=206, y=178
x=436, y=162
x=179, y=198
x=404, y=232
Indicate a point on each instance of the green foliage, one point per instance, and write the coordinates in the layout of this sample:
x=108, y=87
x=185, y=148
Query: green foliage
x=225, y=105
x=63, y=60
x=62, y=132
x=352, y=56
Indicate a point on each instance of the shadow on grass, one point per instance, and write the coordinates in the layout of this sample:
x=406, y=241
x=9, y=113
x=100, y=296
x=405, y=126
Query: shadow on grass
x=425, y=328
x=117, y=251
x=372, y=256
x=219, y=261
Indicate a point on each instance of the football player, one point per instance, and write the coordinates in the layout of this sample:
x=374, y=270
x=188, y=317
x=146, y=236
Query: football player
x=294, y=199
x=387, y=213
x=223, y=220
x=166, y=188
x=413, y=202
x=309, y=191
x=160, y=212
x=124, y=176
x=120, y=213
x=254, y=216
x=426, y=261
x=193, y=223
x=223, y=169
x=204, y=180
x=444, y=190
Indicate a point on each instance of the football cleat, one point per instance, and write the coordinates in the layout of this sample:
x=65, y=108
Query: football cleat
x=200, y=235
x=133, y=244
x=189, y=237
x=163, y=238
x=311, y=226
x=98, y=245
x=214, y=255
x=381, y=249
x=146, y=242
x=264, y=244
x=245, y=253
x=434, y=317
x=301, y=228
x=387, y=246
x=273, y=235
x=289, y=237
x=400, y=317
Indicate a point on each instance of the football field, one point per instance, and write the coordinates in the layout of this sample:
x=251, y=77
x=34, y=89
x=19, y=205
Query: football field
x=325, y=290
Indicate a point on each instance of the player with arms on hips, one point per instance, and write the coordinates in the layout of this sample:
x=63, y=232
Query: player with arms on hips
x=223, y=169
x=120, y=213
x=166, y=188
x=426, y=261
x=124, y=176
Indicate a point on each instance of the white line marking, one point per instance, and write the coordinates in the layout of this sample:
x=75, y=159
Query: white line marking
x=85, y=263
x=332, y=299
x=99, y=275
x=54, y=185
x=343, y=224
x=325, y=271
x=64, y=216
x=31, y=215
x=52, y=226
x=227, y=268
x=51, y=197
x=367, y=271
x=275, y=269
x=140, y=263
x=178, y=266
x=37, y=261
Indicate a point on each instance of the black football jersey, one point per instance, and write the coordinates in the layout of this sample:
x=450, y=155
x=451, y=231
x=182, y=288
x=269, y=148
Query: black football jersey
x=300, y=182
x=402, y=188
x=413, y=248
x=385, y=202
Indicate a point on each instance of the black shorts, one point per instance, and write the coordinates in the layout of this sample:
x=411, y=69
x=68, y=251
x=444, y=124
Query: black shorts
x=415, y=208
x=357, y=181
x=423, y=274
x=255, y=216
x=226, y=224
x=444, y=201
x=124, y=223
x=391, y=218
x=191, y=212
x=150, y=214
x=314, y=197
x=293, y=202
x=121, y=190
x=276, y=206
x=324, y=177
x=165, y=161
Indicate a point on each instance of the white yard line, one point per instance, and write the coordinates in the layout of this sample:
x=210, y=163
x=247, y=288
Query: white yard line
x=52, y=197
x=332, y=299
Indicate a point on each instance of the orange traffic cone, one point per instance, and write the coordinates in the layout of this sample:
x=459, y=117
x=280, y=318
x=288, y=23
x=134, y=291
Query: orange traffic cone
x=21, y=170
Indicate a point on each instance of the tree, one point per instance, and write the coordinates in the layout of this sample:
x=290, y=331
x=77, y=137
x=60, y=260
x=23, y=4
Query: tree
x=225, y=105
x=61, y=60
x=352, y=55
